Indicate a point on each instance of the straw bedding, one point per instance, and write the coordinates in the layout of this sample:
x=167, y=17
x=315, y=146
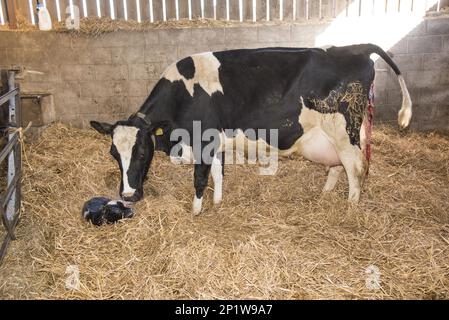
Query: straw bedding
x=273, y=236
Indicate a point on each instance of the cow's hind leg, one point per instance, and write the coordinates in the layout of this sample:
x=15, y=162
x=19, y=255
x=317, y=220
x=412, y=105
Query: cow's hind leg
x=200, y=176
x=217, y=176
x=355, y=165
x=332, y=178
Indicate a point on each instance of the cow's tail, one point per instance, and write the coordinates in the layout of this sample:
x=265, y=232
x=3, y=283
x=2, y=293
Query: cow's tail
x=405, y=114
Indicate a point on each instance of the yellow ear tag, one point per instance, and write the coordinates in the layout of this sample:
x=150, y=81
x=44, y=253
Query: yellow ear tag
x=159, y=132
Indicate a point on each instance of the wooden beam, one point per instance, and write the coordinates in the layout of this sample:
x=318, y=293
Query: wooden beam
x=11, y=10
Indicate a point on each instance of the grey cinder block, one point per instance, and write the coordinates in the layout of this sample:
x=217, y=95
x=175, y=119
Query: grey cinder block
x=425, y=44
x=438, y=26
x=239, y=34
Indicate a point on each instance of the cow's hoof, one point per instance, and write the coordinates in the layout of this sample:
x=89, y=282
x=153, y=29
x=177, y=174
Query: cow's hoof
x=176, y=160
x=353, y=199
x=196, y=205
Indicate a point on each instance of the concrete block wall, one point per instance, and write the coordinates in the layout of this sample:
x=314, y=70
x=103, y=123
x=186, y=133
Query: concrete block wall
x=109, y=77
x=423, y=58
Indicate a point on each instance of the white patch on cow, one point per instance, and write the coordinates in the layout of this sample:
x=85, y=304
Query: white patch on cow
x=244, y=147
x=206, y=74
x=186, y=157
x=363, y=136
x=187, y=154
x=124, y=138
x=217, y=176
x=319, y=131
x=153, y=138
x=405, y=114
x=325, y=140
x=196, y=205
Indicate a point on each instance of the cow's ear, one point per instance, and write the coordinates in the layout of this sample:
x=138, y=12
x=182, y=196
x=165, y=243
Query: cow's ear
x=161, y=128
x=102, y=127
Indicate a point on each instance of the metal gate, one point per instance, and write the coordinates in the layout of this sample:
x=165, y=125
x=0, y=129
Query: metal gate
x=10, y=198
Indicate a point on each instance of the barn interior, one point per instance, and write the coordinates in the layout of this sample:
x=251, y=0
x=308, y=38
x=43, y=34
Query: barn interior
x=273, y=237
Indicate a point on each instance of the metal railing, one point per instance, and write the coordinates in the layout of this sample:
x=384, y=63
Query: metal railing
x=10, y=198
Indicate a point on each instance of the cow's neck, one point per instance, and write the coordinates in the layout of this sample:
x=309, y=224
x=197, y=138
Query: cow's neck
x=159, y=107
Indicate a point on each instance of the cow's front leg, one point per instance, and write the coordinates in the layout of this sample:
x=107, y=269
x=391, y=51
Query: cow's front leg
x=200, y=176
x=217, y=175
x=332, y=178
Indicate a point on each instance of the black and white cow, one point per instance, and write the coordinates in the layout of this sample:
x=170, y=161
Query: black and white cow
x=270, y=88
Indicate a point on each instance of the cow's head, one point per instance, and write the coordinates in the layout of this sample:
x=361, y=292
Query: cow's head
x=133, y=148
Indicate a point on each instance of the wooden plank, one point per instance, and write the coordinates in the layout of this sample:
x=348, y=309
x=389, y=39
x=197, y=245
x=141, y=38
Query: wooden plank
x=209, y=9
x=116, y=5
x=234, y=10
x=118, y=9
x=105, y=8
x=11, y=11
x=92, y=8
x=157, y=10
x=79, y=4
x=51, y=7
x=261, y=11
x=170, y=9
x=300, y=10
x=76, y=3
x=183, y=9
x=22, y=8
x=62, y=7
x=145, y=10
x=63, y=4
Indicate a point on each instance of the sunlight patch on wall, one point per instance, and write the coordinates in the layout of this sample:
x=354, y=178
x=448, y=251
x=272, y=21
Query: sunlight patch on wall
x=373, y=25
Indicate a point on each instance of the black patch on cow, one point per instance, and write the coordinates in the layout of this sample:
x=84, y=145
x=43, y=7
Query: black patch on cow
x=263, y=90
x=186, y=67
